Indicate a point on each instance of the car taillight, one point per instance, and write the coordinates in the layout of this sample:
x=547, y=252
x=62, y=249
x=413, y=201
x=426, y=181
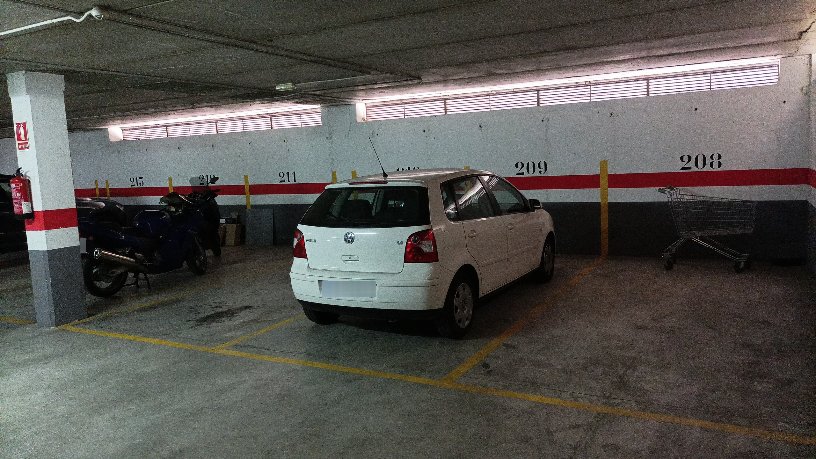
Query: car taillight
x=299, y=245
x=421, y=248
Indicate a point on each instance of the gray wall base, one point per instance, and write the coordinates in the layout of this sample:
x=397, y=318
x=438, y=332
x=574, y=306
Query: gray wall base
x=56, y=280
x=811, y=246
x=260, y=225
x=784, y=230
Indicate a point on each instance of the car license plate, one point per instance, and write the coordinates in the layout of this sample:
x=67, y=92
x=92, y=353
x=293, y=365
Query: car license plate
x=348, y=289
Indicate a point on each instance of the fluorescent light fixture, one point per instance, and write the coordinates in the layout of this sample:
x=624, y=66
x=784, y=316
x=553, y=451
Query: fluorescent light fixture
x=285, y=87
x=219, y=116
x=678, y=69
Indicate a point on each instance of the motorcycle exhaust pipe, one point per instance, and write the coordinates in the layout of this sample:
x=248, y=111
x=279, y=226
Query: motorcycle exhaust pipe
x=127, y=262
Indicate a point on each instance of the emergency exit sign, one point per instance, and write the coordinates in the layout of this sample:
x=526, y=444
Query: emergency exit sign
x=21, y=131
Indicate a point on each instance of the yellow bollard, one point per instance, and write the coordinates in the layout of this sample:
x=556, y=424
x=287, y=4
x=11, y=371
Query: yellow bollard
x=169, y=184
x=334, y=177
x=353, y=174
x=246, y=191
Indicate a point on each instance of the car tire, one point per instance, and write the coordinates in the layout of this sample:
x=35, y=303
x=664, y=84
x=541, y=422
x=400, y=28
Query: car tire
x=546, y=267
x=457, y=314
x=319, y=317
x=91, y=272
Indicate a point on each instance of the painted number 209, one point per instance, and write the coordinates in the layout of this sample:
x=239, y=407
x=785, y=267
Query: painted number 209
x=136, y=181
x=531, y=167
x=701, y=161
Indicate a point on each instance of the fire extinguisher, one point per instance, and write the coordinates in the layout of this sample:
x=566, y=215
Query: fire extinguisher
x=21, y=195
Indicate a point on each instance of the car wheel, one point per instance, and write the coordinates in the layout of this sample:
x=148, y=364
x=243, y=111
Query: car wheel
x=197, y=258
x=457, y=314
x=319, y=317
x=546, y=267
x=101, y=279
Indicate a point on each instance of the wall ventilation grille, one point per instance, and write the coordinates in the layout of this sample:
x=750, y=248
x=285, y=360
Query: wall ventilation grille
x=588, y=91
x=224, y=125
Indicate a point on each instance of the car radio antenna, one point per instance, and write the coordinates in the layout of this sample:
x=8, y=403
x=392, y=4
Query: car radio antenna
x=385, y=176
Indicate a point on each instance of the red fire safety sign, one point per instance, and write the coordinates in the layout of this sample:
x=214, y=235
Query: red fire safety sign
x=21, y=129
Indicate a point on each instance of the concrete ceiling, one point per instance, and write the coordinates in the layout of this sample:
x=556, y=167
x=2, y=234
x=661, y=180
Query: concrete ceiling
x=149, y=57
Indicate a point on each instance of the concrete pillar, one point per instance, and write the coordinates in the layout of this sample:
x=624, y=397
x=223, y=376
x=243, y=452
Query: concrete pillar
x=41, y=139
x=811, y=189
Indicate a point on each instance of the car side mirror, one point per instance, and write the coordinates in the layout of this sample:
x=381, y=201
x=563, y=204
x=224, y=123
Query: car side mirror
x=535, y=204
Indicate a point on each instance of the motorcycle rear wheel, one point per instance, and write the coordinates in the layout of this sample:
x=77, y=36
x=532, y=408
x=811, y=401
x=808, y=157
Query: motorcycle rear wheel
x=197, y=257
x=215, y=243
x=98, y=278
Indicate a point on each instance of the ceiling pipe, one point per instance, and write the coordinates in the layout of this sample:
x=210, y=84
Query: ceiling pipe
x=146, y=23
x=96, y=12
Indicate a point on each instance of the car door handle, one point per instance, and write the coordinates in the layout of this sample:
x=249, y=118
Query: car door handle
x=472, y=234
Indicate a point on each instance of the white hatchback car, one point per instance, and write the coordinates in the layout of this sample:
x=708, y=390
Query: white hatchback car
x=418, y=244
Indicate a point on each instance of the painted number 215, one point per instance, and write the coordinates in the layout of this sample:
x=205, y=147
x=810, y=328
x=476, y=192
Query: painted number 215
x=701, y=161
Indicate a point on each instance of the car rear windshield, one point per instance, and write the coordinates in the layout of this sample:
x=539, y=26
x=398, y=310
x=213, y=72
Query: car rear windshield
x=370, y=206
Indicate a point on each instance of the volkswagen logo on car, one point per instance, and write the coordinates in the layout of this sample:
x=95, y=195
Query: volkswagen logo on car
x=349, y=237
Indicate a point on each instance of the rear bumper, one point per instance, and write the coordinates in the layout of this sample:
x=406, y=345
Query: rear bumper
x=393, y=293
x=374, y=313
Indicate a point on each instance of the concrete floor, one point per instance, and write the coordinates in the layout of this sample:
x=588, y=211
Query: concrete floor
x=614, y=358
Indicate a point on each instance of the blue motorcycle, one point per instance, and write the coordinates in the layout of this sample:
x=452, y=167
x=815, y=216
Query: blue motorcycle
x=159, y=241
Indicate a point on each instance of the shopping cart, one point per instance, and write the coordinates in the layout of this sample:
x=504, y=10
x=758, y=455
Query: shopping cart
x=698, y=218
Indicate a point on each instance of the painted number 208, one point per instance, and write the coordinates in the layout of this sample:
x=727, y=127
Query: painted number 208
x=701, y=161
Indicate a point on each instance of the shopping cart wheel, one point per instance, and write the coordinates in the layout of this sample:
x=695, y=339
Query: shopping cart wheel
x=742, y=265
x=668, y=262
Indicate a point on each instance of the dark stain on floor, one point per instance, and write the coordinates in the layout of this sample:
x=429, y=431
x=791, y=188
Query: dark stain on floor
x=220, y=316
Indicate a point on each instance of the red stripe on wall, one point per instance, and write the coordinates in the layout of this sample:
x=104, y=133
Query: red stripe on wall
x=224, y=190
x=287, y=188
x=749, y=177
x=555, y=182
x=711, y=178
x=52, y=219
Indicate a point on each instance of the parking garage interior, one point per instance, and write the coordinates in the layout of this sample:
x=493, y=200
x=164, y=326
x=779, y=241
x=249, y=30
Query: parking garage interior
x=590, y=107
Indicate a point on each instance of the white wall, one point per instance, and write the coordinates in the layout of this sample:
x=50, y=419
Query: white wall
x=8, y=156
x=812, y=194
x=755, y=128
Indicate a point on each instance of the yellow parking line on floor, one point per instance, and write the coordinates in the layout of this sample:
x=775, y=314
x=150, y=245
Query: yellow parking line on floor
x=168, y=296
x=250, y=356
x=480, y=390
x=637, y=414
x=15, y=320
x=255, y=334
x=128, y=309
x=536, y=311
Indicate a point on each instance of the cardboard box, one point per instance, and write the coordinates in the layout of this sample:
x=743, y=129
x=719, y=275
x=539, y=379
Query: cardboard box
x=233, y=234
x=222, y=233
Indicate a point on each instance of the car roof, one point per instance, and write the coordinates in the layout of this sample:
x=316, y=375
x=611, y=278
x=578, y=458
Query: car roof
x=416, y=176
